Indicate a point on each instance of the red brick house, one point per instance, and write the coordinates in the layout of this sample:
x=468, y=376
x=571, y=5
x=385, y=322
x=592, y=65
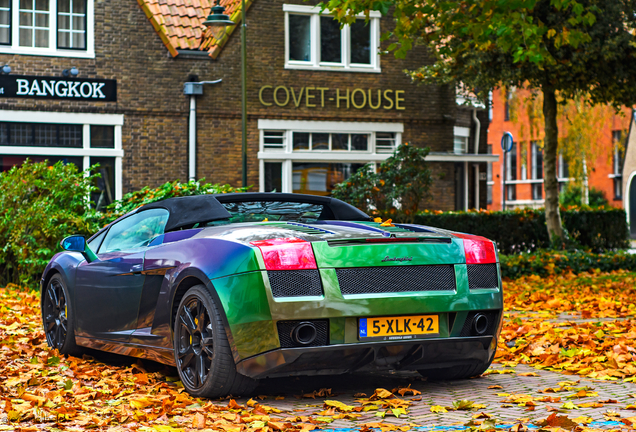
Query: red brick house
x=524, y=163
x=321, y=100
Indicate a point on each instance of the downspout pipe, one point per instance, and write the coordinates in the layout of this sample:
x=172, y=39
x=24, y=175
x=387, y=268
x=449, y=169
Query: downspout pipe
x=193, y=89
x=477, y=136
x=192, y=139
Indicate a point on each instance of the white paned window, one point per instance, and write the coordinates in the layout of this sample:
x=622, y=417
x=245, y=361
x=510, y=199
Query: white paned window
x=460, y=139
x=71, y=24
x=273, y=140
x=5, y=22
x=62, y=28
x=81, y=139
x=312, y=157
x=316, y=41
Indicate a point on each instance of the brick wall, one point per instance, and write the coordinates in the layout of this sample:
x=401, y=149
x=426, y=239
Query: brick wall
x=150, y=95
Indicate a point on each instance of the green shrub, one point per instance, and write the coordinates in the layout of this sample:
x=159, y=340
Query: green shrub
x=517, y=231
x=546, y=263
x=39, y=206
x=398, y=188
x=147, y=195
x=573, y=197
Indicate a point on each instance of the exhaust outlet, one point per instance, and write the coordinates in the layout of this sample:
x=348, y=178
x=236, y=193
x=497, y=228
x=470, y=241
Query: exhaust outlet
x=480, y=324
x=304, y=333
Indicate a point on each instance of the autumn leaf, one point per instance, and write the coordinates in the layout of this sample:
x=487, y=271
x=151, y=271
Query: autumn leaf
x=438, y=409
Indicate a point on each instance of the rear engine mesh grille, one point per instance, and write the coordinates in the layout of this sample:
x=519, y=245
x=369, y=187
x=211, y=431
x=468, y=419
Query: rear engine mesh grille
x=482, y=276
x=373, y=280
x=493, y=320
x=295, y=283
x=285, y=329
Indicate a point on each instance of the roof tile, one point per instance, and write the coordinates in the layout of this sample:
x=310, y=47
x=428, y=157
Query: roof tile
x=179, y=23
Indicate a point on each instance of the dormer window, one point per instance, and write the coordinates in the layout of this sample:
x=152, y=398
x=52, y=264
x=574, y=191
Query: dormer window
x=62, y=28
x=316, y=41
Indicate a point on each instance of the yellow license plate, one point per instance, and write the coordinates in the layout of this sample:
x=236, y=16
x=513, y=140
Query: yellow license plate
x=400, y=327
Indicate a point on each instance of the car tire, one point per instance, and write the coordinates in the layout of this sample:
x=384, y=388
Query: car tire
x=201, y=349
x=57, y=317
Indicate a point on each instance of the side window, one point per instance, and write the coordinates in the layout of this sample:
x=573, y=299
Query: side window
x=97, y=241
x=135, y=231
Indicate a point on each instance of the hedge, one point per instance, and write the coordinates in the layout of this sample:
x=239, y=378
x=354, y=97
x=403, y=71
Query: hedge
x=546, y=263
x=517, y=231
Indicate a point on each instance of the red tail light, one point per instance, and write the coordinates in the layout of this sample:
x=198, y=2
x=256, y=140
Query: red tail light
x=478, y=250
x=286, y=254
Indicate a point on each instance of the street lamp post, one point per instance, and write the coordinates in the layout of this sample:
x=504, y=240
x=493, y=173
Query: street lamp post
x=218, y=19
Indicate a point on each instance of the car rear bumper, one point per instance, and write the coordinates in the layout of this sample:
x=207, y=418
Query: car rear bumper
x=336, y=359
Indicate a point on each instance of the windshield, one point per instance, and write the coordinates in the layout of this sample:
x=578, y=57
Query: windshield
x=259, y=211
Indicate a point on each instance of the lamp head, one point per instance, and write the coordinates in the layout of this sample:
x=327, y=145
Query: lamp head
x=217, y=17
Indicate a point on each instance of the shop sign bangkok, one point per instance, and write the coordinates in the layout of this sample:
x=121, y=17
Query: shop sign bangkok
x=312, y=97
x=38, y=87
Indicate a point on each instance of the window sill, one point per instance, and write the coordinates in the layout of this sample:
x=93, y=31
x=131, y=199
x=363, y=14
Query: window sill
x=48, y=52
x=369, y=69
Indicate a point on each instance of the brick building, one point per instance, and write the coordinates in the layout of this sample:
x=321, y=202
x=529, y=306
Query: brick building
x=103, y=81
x=524, y=163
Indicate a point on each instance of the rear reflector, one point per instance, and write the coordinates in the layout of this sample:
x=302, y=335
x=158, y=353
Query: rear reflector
x=286, y=254
x=478, y=250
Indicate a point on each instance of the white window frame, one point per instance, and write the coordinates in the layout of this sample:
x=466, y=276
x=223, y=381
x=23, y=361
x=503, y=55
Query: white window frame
x=86, y=120
x=52, y=50
x=346, y=65
x=288, y=156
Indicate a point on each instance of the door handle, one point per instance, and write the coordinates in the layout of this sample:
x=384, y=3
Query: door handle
x=137, y=268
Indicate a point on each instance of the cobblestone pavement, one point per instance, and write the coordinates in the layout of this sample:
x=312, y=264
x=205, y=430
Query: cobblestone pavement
x=477, y=390
x=445, y=393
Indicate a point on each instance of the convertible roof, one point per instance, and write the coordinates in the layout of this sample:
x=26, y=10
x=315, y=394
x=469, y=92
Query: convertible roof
x=186, y=211
x=333, y=209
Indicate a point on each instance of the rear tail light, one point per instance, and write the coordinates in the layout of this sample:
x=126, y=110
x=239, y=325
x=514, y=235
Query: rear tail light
x=478, y=250
x=286, y=254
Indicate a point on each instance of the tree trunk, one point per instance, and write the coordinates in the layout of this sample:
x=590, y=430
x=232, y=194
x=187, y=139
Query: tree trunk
x=551, y=185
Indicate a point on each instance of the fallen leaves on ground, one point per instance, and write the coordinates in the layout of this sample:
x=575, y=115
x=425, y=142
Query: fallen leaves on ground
x=601, y=349
x=39, y=388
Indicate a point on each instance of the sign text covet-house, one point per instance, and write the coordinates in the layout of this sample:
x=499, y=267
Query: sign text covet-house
x=312, y=97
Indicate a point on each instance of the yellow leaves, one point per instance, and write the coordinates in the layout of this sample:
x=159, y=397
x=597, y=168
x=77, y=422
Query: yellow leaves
x=338, y=405
x=528, y=374
x=198, y=421
x=380, y=393
x=438, y=409
x=387, y=223
x=142, y=402
x=569, y=405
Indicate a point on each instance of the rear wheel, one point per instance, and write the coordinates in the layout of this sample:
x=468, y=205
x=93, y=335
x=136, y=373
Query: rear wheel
x=201, y=349
x=57, y=317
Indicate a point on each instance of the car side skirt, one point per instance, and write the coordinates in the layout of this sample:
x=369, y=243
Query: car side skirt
x=343, y=358
x=158, y=354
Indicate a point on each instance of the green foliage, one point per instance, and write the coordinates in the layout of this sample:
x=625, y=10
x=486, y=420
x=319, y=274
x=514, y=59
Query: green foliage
x=517, y=231
x=576, y=49
x=573, y=197
x=398, y=189
x=147, y=195
x=546, y=263
x=39, y=206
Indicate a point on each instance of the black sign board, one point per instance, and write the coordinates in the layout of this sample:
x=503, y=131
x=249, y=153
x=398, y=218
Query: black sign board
x=39, y=87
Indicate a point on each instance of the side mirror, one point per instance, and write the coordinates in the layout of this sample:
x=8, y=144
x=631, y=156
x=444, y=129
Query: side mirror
x=77, y=243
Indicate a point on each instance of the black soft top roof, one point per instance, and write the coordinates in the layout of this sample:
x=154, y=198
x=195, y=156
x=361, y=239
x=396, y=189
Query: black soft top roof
x=187, y=211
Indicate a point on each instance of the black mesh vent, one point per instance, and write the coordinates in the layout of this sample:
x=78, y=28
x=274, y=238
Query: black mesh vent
x=482, y=276
x=295, y=283
x=493, y=319
x=285, y=329
x=396, y=279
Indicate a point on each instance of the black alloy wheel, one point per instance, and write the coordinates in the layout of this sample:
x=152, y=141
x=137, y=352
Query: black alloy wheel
x=57, y=318
x=201, y=349
x=195, y=342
